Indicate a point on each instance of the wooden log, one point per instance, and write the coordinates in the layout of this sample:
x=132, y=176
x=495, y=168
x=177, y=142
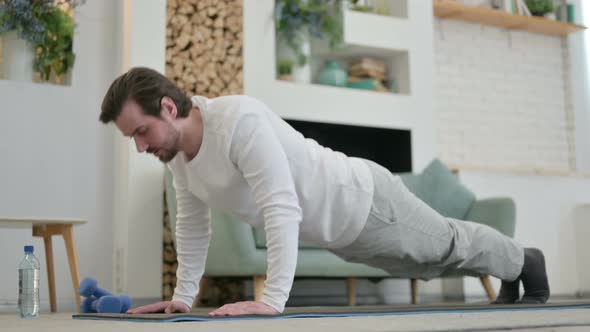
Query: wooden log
x=218, y=33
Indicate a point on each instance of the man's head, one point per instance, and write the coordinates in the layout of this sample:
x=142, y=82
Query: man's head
x=145, y=105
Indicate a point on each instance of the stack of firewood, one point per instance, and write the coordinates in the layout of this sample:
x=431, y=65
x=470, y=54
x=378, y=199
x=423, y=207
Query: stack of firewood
x=170, y=264
x=204, y=46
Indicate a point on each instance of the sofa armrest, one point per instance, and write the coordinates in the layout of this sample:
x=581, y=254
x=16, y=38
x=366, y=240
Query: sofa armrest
x=498, y=213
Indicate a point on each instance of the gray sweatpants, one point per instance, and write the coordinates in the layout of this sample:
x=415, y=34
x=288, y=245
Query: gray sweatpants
x=408, y=239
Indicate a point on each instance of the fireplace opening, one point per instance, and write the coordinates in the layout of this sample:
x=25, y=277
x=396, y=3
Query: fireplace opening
x=391, y=148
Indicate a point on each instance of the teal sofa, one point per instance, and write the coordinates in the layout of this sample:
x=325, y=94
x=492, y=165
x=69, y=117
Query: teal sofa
x=239, y=250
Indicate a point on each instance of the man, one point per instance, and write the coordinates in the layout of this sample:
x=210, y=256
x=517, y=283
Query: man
x=234, y=154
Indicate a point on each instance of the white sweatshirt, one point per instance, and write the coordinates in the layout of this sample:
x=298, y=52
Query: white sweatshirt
x=254, y=166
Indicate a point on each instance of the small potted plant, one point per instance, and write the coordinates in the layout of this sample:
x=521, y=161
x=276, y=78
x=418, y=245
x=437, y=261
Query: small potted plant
x=355, y=5
x=297, y=22
x=285, y=69
x=540, y=7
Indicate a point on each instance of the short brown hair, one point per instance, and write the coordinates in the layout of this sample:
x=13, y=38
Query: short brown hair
x=146, y=87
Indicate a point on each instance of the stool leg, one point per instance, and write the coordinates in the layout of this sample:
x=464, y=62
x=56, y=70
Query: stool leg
x=68, y=234
x=50, y=271
x=351, y=291
x=414, y=290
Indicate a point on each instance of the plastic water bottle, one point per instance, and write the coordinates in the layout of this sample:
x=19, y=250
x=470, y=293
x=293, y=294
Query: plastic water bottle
x=28, y=285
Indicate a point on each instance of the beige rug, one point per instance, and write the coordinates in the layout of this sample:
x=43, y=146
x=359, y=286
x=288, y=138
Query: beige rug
x=343, y=311
x=572, y=320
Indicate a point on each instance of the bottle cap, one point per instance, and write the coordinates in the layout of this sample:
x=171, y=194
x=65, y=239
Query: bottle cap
x=29, y=249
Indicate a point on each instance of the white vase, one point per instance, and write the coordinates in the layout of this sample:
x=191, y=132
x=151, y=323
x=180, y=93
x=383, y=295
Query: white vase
x=17, y=58
x=301, y=73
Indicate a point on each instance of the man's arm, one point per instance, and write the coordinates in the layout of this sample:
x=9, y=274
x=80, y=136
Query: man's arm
x=193, y=234
x=192, y=242
x=257, y=152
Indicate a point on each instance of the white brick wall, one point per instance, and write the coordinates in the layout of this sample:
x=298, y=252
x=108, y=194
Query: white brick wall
x=502, y=98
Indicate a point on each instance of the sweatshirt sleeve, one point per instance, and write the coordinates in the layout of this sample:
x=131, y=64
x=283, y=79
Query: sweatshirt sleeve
x=193, y=233
x=258, y=154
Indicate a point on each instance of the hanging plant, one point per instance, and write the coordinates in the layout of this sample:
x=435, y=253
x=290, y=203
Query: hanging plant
x=49, y=26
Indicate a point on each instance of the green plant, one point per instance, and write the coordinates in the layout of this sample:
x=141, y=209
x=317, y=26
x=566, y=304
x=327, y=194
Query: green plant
x=320, y=18
x=285, y=67
x=540, y=7
x=356, y=6
x=55, y=52
x=49, y=26
x=361, y=8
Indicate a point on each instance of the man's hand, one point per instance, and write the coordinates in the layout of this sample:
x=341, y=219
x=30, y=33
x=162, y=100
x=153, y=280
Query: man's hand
x=245, y=308
x=168, y=307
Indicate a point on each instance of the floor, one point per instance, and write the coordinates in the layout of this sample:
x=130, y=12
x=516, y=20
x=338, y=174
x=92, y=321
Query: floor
x=563, y=321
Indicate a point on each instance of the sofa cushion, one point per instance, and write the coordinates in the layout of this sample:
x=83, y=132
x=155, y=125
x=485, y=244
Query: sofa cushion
x=412, y=181
x=440, y=189
x=260, y=239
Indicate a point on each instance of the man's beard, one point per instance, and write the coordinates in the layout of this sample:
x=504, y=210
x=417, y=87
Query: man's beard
x=170, y=148
x=168, y=155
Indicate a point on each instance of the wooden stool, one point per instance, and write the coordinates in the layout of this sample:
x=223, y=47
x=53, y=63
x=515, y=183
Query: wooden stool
x=46, y=228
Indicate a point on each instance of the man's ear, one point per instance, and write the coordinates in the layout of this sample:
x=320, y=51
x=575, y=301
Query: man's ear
x=168, y=107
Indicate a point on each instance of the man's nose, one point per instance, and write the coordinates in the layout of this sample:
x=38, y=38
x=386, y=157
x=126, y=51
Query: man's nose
x=141, y=145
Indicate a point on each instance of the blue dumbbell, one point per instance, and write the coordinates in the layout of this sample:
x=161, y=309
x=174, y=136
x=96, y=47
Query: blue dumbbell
x=89, y=287
x=106, y=304
x=125, y=303
x=86, y=306
x=93, y=295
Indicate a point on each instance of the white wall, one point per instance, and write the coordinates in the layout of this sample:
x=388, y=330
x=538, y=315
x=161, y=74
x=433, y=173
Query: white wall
x=581, y=224
x=138, y=199
x=545, y=219
x=503, y=100
x=519, y=101
x=57, y=160
x=580, y=80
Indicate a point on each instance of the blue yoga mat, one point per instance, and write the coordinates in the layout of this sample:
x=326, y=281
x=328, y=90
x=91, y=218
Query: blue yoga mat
x=201, y=315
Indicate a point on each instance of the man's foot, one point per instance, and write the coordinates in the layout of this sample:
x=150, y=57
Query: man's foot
x=534, y=280
x=534, y=277
x=509, y=292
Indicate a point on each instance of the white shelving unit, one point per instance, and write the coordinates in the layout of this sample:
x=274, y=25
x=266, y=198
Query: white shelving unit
x=389, y=42
x=404, y=39
x=387, y=32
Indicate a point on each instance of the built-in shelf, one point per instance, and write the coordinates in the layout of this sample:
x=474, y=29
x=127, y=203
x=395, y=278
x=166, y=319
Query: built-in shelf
x=397, y=64
x=384, y=38
x=453, y=10
x=376, y=32
x=356, y=105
